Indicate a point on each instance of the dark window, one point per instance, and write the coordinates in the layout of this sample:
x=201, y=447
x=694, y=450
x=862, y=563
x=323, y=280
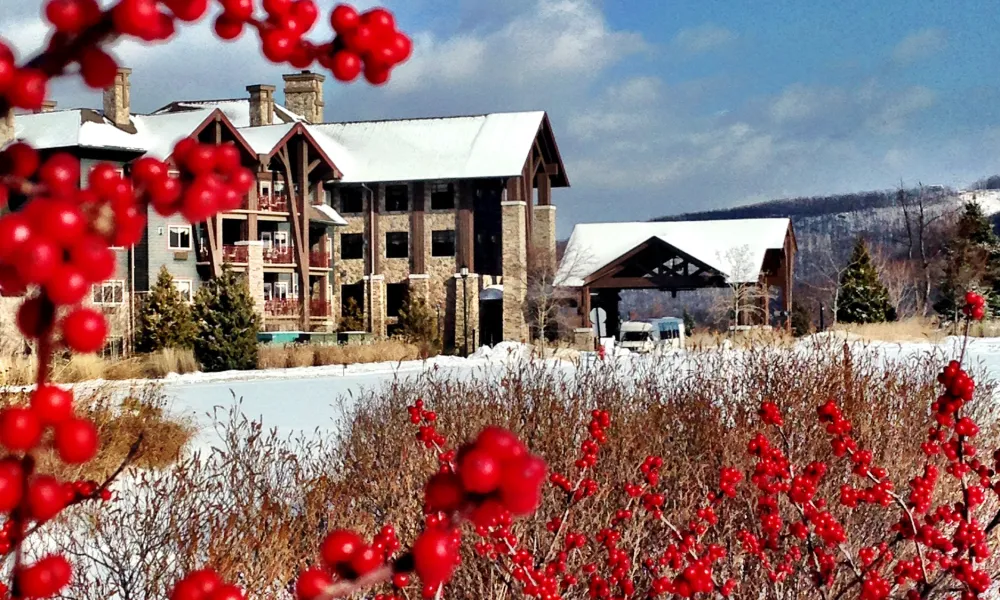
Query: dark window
x=352, y=245
x=442, y=196
x=397, y=244
x=443, y=243
x=351, y=200
x=395, y=297
x=397, y=198
x=352, y=298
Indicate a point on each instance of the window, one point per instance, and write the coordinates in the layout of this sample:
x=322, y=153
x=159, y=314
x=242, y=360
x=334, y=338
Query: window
x=443, y=243
x=397, y=198
x=109, y=292
x=352, y=245
x=395, y=297
x=397, y=244
x=185, y=288
x=180, y=237
x=351, y=200
x=442, y=196
x=281, y=290
x=352, y=298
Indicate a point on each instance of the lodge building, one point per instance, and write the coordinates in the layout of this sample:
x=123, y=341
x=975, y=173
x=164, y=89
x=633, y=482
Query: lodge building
x=345, y=216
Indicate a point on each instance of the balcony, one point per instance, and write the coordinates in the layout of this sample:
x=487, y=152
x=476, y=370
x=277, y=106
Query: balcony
x=319, y=308
x=277, y=202
x=279, y=255
x=276, y=307
x=230, y=254
x=319, y=259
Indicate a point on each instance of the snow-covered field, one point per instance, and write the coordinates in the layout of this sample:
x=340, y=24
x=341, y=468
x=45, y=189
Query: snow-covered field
x=306, y=399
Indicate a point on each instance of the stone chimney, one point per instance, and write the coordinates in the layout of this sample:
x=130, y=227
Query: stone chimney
x=48, y=106
x=117, y=100
x=7, y=128
x=261, y=105
x=304, y=95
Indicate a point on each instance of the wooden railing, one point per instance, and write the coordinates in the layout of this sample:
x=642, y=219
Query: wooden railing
x=273, y=202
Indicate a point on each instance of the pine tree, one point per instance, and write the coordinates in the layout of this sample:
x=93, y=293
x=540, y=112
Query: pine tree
x=352, y=318
x=972, y=261
x=417, y=322
x=164, y=320
x=688, y=321
x=801, y=320
x=227, y=324
x=863, y=298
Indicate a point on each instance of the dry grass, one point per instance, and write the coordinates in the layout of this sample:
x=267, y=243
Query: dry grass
x=307, y=355
x=914, y=329
x=169, y=360
x=121, y=419
x=703, y=339
x=21, y=370
x=279, y=496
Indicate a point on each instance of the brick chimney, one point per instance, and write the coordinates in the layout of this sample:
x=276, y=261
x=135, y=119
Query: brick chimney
x=117, y=100
x=7, y=128
x=48, y=106
x=304, y=94
x=261, y=105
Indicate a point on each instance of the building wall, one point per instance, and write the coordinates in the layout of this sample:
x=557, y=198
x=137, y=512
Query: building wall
x=158, y=252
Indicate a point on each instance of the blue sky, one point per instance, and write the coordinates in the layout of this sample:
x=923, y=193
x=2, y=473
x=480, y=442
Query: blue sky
x=662, y=107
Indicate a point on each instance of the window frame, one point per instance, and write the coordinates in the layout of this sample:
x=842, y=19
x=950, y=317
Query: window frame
x=405, y=245
x=454, y=243
x=190, y=236
x=190, y=289
x=406, y=198
x=113, y=284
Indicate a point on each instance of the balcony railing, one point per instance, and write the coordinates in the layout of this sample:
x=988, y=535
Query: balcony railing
x=319, y=259
x=281, y=307
x=235, y=254
x=277, y=202
x=279, y=255
x=319, y=308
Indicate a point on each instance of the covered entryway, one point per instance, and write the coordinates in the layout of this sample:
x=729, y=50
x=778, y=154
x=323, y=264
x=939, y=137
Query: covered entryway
x=491, y=315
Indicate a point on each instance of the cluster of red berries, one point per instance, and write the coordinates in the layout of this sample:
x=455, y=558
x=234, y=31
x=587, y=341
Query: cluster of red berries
x=370, y=38
x=959, y=389
x=205, y=584
x=427, y=433
x=346, y=556
x=212, y=179
x=975, y=306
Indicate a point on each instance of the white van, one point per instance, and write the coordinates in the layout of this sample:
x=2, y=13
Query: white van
x=647, y=336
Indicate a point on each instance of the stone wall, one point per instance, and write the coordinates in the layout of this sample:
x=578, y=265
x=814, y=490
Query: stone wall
x=471, y=296
x=394, y=269
x=304, y=95
x=440, y=268
x=255, y=273
x=515, y=273
x=543, y=233
x=375, y=286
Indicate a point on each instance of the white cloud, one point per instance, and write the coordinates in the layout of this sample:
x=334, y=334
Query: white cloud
x=919, y=45
x=703, y=38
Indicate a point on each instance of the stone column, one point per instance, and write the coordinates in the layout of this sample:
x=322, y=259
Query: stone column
x=466, y=306
x=515, y=269
x=544, y=233
x=375, y=296
x=420, y=287
x=255, y=273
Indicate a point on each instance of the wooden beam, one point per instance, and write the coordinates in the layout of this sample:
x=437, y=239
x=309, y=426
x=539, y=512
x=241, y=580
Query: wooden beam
x=305, y=290
x=552, y=169
x=313, y=165
x=544, y=189
x=585, y=306
x=667, y=284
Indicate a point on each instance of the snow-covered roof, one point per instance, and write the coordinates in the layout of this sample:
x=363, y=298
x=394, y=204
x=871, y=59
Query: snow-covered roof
x=237, y=110
x=735, y=247
x=493, y=145
x=326, y=214
x=264, y=139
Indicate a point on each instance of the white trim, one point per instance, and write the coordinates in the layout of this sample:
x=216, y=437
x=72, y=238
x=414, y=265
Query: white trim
x=419, y=276
x=190, y=289
x=110, y=283
x=190, y=236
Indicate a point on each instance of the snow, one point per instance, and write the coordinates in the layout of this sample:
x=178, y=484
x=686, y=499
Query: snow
x=493, y=145
x=236, y=110
x=716, y=243
x=264, y=139
x=328, y=212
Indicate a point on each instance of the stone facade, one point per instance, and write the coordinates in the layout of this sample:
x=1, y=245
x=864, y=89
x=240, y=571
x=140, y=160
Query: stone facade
x=440, y=268
x=583, y=338
x=515, y=270
x=543, y=233
x=7, y=128
x=261, y=104
x=470, y=288
x=117, y=100
x=375, y=288
x=255, y=273
x=304, y=95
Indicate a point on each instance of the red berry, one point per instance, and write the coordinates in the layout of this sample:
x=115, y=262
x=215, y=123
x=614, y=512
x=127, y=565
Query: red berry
x=10, y=282
x=443, y=493
x=61, y=222
x=380, y=20
x=339, y=546
x=360, y=40
x=346, y=65
x=34, y=318
x=376, y=74
x=228, y=28
x=93, y=257
x=45, y=497
x=11, y=484
x=52, y=404
x=68, y=16
x=434, y=557
x=28, y=90
x=227, y=158
x=227, y=592
x=480, y=471
x=67, y=286
x=147, y=170
x=187, y=10
x=20, y=428
x=242, y=180
x=278, y=44
x=98, y=68
x=278, y=8
x=499, y=442
x=344, y=19
x=240, y=10
x=61, y=173
x=7, y=68
x=521, y=484
x=312, y=583
x=201, y=199
x=402, y=47
x=20, y=160
x=15, y=231
x=102, y=179
x=37, y=260
x=365, y=560
x=306, y=13
x=44, y=578
x=84, y=330
x=76, y=441
x=197, y=585
x=400, y=580
x=140, y=18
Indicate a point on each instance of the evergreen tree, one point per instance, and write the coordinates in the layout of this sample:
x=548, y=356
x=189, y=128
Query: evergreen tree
x=164, y=320
x=863, y=298
x=417, y=322
x=227, y=324
x=972, y=261
x=352, y=318
x=688, y=321
x=801, y=320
